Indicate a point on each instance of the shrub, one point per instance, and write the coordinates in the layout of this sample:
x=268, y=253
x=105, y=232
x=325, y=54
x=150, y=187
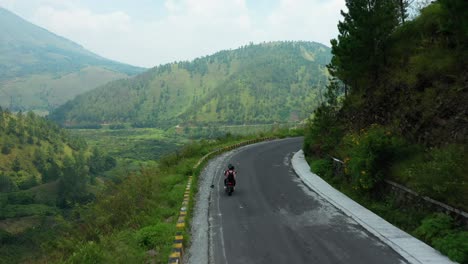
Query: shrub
x=369, y=154
x=169, y=160
x=436, y=225
x=21, y=197
x=323, y=133
x=117, y=126
x=88, y=252
x=7, y=147
x=440, y=174
x=7, y=184
x=440, y=231
x=20, y=210
x=454, y=245
x=322, y=167
x=5, y=237
x=26, y=180
x=156, y=235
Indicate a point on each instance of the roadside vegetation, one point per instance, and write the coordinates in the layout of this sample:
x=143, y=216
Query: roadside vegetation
x=394, y=112
x=130, y=208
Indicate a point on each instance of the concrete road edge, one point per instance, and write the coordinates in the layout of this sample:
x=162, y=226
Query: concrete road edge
x=411, y=249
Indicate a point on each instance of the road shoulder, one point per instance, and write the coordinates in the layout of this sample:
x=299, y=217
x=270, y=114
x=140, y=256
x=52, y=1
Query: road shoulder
x=410, y=248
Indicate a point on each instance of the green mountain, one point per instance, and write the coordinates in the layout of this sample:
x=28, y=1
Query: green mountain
x=264, y=83
x=40, y=70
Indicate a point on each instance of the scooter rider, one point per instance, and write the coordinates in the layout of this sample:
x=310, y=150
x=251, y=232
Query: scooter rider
x=230, y=172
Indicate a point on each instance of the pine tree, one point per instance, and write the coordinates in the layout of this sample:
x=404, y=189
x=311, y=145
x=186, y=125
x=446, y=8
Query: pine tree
x=361, y=45
x=72, y=183
x=16, y=166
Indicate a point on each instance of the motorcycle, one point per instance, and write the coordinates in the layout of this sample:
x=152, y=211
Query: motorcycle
x=230, y=188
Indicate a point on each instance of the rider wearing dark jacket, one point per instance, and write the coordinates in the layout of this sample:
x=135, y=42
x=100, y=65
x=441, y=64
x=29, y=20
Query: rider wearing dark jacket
x=230, y=172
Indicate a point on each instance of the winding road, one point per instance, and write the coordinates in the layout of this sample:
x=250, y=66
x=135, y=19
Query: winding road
x=272, y=217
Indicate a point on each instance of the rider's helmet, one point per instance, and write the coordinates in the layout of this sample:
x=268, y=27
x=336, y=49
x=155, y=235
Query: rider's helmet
x=230, y=167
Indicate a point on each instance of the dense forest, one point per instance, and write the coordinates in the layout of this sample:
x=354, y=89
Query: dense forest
x=264, y=83
x=397, y=109
x=44, y=171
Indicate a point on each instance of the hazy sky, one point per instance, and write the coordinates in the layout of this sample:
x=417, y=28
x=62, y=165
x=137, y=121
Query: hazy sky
x=152, y=32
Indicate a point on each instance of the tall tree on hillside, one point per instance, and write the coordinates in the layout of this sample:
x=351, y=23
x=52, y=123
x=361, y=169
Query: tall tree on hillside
x=72, y=183
x=360, y=49
x=456, y=22
x=403, y=6
x=2, y=120
x=11, y=127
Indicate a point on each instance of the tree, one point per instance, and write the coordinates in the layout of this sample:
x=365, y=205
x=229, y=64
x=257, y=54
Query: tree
x=360, y=48
x=52, y=173
x=403, y=6
x=456, y=21
x=11, y=127
x=72, y=183
x=16, y=166
x=6, y=184
x=2, y=120
x=96, y=162
x=7, y=147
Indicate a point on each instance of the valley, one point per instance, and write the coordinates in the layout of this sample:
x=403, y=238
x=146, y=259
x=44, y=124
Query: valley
x=96, y=155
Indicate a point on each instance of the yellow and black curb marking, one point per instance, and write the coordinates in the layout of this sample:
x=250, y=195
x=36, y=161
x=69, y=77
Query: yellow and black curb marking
x=178, y=247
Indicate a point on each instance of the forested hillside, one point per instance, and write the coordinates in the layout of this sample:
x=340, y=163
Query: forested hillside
x=397, y=110
x=412, y=87
x=42, y=167
x=40, y=70
x=264, y=83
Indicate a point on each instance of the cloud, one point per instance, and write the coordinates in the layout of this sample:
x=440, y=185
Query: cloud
x=102, y=33
x=306, y=19
x=182, y=29
x=82, y=20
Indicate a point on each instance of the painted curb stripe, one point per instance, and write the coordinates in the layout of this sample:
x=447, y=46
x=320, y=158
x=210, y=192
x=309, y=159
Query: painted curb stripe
x=177, y=252
x=177, y=245
x=175, y=255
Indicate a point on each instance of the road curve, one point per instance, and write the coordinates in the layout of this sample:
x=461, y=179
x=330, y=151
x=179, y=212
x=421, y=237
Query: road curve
x=272, y=217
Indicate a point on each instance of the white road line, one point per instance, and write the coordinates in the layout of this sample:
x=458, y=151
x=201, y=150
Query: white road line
x=221, y=220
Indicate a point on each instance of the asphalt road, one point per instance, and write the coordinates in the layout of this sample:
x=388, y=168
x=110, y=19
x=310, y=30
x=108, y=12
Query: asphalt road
x=273, y=218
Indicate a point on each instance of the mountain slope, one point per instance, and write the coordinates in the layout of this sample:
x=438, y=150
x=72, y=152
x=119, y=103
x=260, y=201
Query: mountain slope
x=28, y=52
x=269, y=82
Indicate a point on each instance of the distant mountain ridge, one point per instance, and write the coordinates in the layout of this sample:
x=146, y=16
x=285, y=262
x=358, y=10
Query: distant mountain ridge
x=29, y=53
x=263, y=83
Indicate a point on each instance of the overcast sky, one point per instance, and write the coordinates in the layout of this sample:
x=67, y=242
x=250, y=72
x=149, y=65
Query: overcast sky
x=152, y=32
